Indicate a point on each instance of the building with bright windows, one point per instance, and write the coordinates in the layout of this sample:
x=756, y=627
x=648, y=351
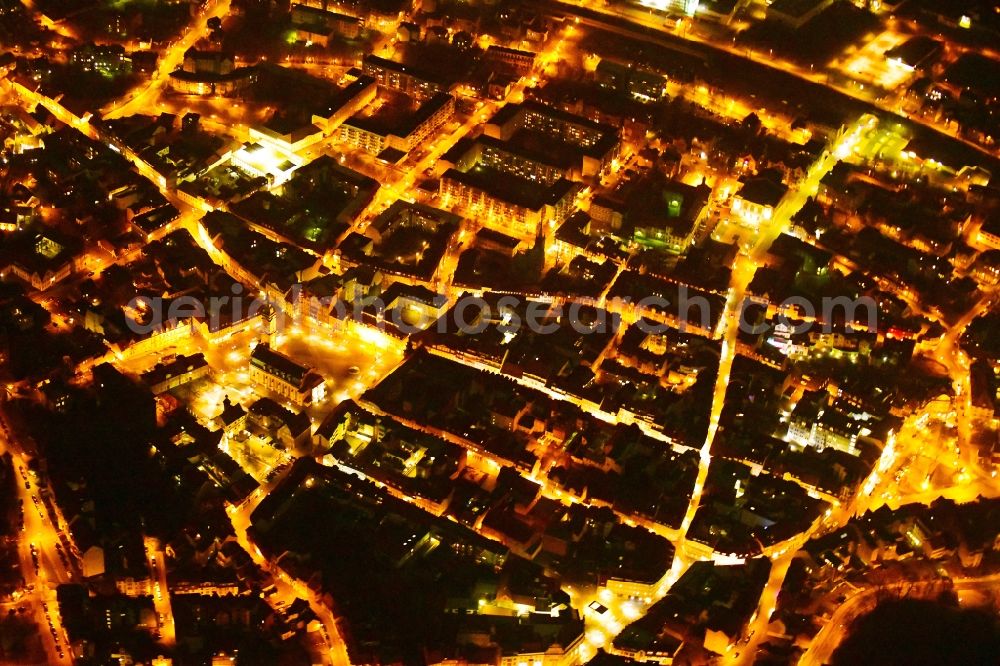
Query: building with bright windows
x=522, y=161
x=108, y=59
x=628, y=77
x=533, y=128
x=405, y=78
x=506, y=203
x=318, y=25
x=375, y=134
x=820, y=422
x=556, y=654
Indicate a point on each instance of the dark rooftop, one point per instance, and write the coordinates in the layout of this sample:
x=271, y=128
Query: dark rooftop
x=763, y=191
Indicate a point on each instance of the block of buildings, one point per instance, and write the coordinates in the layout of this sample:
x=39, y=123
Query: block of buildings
x=821, y=422
x=916, y=53
x=508, y=204
x=596, y=144
x=268, y=419
x=52, y=259
x=653, y=212
x=378, y=133
x=108, y=59
x=347, y=102
x=989, y=233
x=633, y=79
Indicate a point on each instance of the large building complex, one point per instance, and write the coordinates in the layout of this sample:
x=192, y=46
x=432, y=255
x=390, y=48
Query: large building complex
x=597, y=144
x=523, y=173
x=518, y=207
x=210, y=73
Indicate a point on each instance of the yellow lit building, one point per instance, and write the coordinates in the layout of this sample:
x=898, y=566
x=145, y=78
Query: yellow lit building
x=757, y=201
x=267, y=162
x=373, y=135
x=507, y=204
x=555, y=655
x=988, y=235
x=346, y=103
x=284, y=377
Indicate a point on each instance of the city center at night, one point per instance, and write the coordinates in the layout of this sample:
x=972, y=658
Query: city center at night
x=499, y=332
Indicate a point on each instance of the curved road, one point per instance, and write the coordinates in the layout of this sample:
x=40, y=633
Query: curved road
x=830, y=636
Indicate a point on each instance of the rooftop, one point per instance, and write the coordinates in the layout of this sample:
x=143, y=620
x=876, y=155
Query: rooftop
x=272, y=361
x=393, y=66
x=915, y=51
x=763, y=191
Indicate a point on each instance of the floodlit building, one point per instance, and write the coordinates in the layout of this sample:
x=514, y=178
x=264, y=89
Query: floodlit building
x=676, y=8
x=816, y=423
x=210, y=73
x=506, y=203
x=286, y=135
x=233, y=417
x=556, y=654
x=267, y=162
x=285, y=377
x=93, y=562
x=414, y=306
x=757, y=201
x=178, y=372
